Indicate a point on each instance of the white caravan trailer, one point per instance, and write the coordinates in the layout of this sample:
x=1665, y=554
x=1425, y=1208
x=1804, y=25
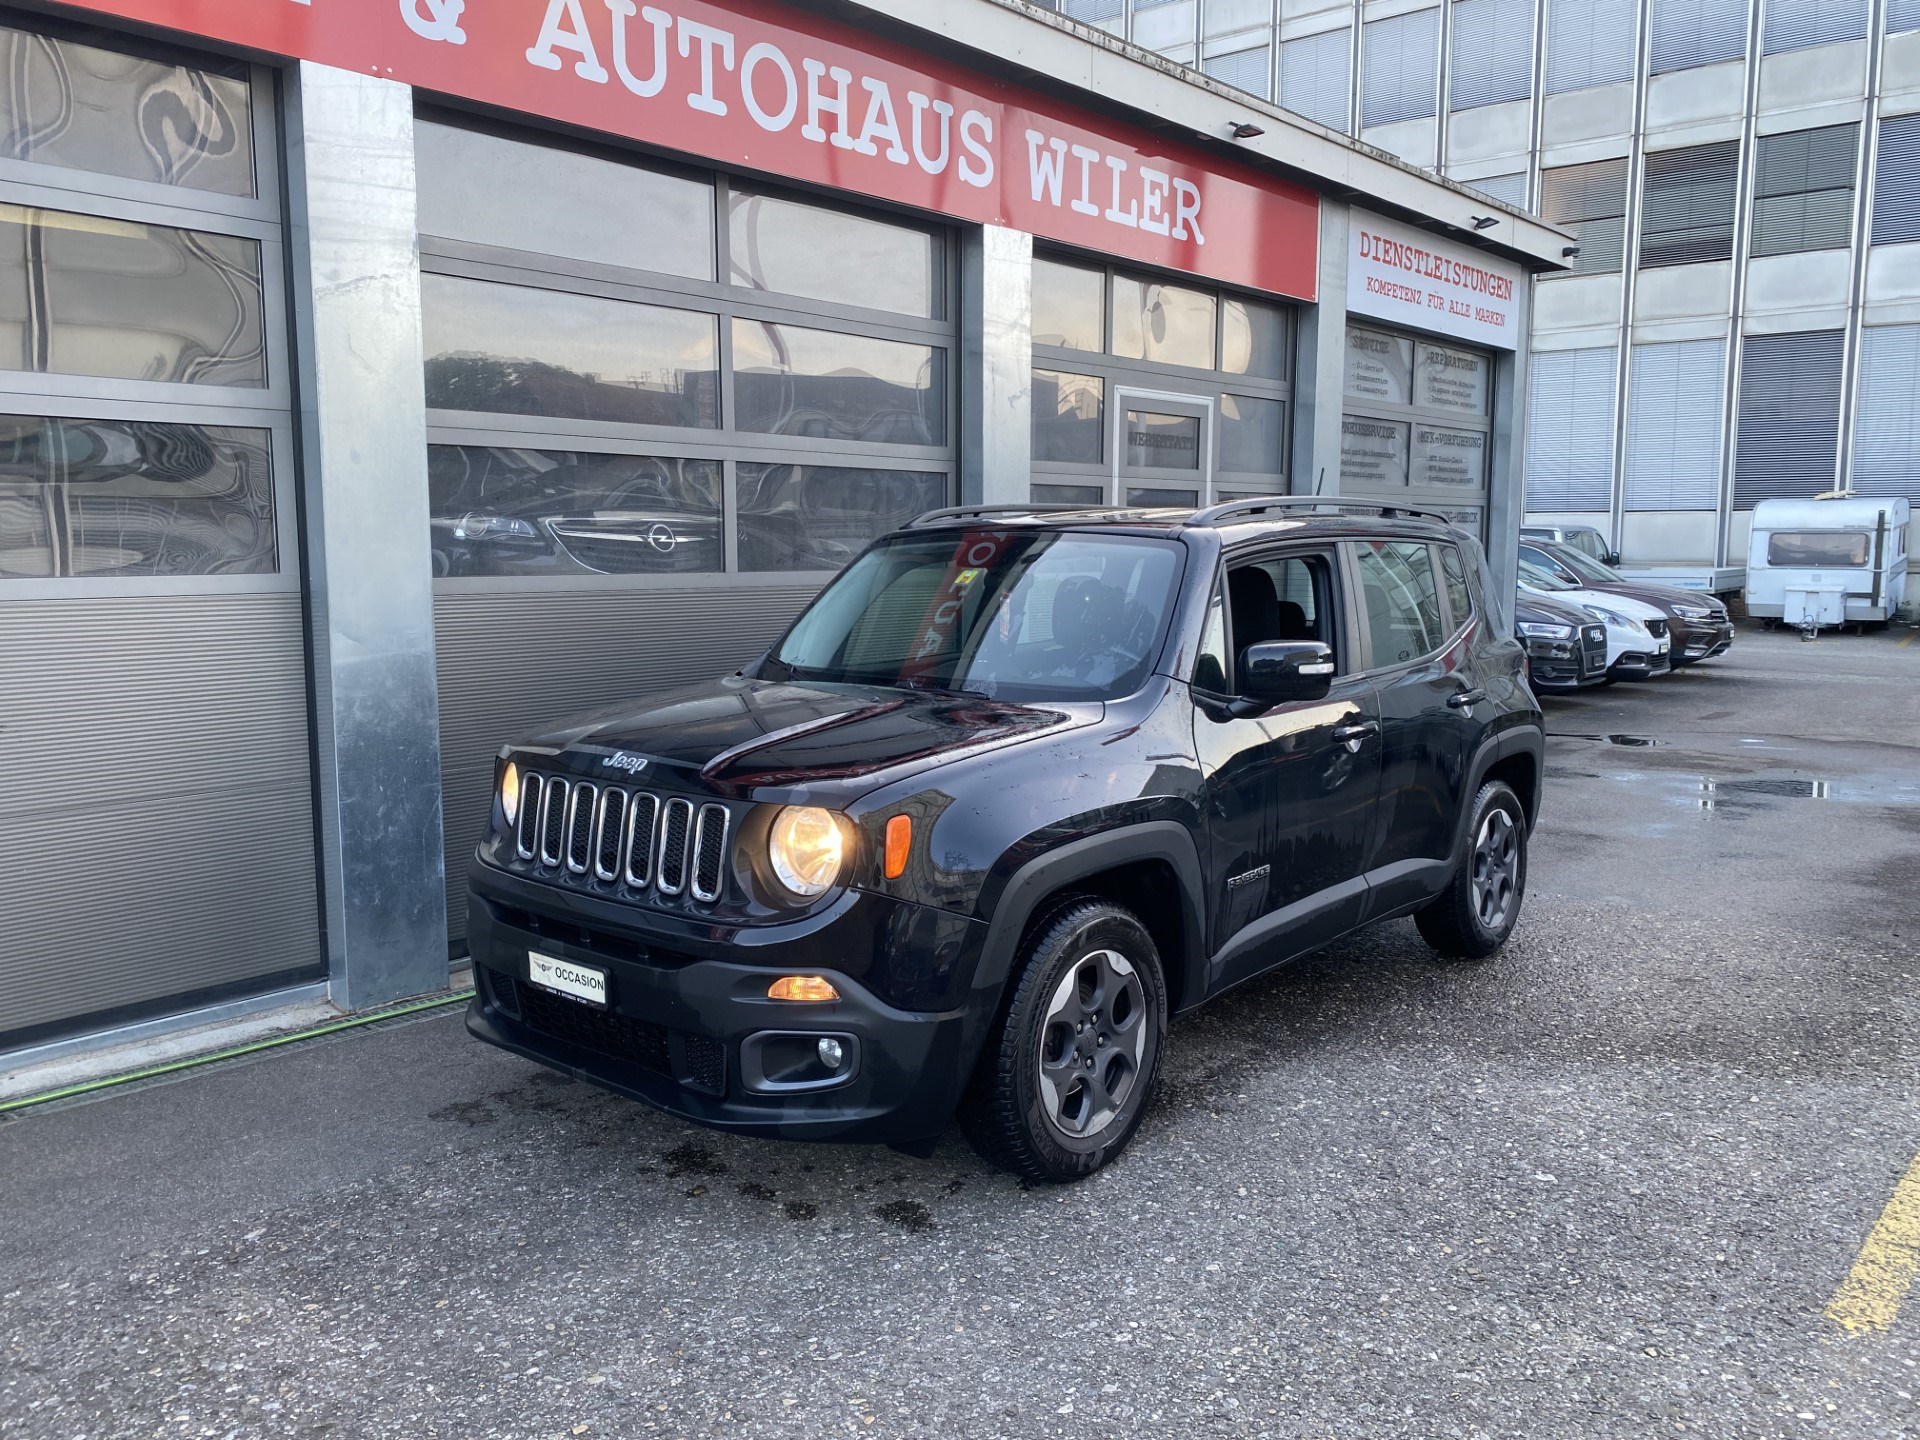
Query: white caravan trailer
x=1828, y=561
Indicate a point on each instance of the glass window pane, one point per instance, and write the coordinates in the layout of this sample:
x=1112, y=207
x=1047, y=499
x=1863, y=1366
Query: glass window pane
x=1069, y=494
x=132, y=498
x=1450, y=379
x=1253, y=339
x=638, y=218
x=519, y=351
x=1163, y=495
x=1069, y=303
x=1373, y=453
x=1068, y=417
x=818, y=517
x=1403, y=601
x=1459, y=598
x=1379, y=367
x=1448, y=457
x=792, y=381
x=792, y=248
x=1162, y=442
x=90, y=109
x=1163, y=323
x=83, y=295
x=1253, y=435
x=555, y=512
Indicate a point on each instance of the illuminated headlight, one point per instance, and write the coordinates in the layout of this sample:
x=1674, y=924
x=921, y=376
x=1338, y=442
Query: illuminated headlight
x=510, y=794
x=806, y=848
x=1546, y=632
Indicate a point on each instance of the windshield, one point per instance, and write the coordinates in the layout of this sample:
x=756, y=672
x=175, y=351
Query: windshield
x=1585, y=566
x=1018, y=616
x=1818, y=547
x=1534, y=578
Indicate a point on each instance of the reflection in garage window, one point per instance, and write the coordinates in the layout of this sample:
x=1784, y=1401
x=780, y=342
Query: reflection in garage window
x=514, y=350
x=129, y=498
x=818, y=517
x=553, y=512
x=86, y=295
x=1068, y=417
x=790, y=247
x=794, y=381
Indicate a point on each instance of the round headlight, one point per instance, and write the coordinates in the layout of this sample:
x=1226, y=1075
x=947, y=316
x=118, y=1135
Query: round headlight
x=510, y=793
x=806, y=848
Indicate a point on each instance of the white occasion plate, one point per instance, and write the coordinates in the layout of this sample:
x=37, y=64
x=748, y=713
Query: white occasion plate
x=567, y=977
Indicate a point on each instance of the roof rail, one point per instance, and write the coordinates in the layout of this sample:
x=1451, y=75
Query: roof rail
x=1238, y=509
x=961, y=512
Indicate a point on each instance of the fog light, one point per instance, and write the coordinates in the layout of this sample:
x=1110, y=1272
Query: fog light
x=815, y=988
x=832, y=1053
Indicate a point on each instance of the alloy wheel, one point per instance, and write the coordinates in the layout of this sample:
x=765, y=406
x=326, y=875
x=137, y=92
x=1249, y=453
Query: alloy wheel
x=1092, y=1044
x=1496, y=869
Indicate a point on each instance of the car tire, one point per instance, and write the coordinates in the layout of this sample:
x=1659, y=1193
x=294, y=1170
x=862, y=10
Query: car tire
x=1475, y=914
x=1072, y=1063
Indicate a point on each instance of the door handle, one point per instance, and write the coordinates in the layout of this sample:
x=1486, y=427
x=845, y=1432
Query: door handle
x=1466, y=699
x=1354, y=735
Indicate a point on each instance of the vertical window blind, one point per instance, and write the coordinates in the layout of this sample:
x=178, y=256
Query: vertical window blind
x=1400, y=66
x=1490, y=53
x=1896, y=186
x=1316, y=77
x=1799, y=24
x=1673, y=425
x=1886, y=444
x=1803, y=190
x=1570, y=430
x=1687, y=214
x=1687, y=33
x=1789, y=428
x=1250, y=70
x=1590, y=42
x=1591, y=201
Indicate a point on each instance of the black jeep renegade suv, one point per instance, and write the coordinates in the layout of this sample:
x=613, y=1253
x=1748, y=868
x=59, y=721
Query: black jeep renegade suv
x=1017, y=787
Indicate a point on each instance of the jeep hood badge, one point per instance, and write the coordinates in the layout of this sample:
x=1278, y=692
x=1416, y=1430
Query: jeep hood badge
x=621, y=760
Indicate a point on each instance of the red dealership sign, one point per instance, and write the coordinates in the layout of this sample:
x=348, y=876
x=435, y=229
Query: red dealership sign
x=768, y=87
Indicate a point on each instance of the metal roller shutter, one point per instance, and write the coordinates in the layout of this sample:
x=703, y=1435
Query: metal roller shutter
x=1249, y=70
x=1591, y=201
x=1491, y=59
x=1093, y=11
x=1903, y=15
x=1687, y=33
x=1316, y=77
x=1510, y=188
x=1590, y=42
x=1800, y=24
x=1400, y=61
x=1570, y=430
x=1689, y=205
x=1803, y=190
x=1789, y=426
x=1673, y=426
x=1886, y=446
x=1896, y=186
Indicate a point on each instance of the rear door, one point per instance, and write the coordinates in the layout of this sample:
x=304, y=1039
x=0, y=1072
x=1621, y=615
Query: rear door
x=1289, y=791
x=1420, y=655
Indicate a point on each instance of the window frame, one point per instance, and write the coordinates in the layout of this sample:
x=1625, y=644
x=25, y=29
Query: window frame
x=726, y=302
x=268, y=408
x=1349, y=635
x=1364, y=619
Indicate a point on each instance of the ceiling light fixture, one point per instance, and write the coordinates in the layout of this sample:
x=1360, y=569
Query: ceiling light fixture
x=1485, y=222
x=1246, y=130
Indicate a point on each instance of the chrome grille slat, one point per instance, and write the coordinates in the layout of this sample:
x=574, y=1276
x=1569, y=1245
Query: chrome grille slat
x=670, y=870
x=637, y=848
x=526, y=835
x=579, y=832
x=553, y=811
x=609, y=833
x=709, y=853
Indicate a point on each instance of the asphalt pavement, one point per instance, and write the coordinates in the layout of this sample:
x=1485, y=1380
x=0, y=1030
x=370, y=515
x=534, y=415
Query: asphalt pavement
x=1602, y=1185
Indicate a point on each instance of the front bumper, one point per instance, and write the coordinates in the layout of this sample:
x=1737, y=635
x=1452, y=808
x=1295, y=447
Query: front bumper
x=1697, y=640
x=1640, y=665
x=678, y=1030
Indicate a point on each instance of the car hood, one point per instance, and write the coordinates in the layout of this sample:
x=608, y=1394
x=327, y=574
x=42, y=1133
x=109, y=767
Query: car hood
x=1663, y=596
x=1540, y=609
x=1619, y=604
x=741, y=732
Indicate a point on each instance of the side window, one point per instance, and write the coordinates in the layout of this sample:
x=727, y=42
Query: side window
x=1403, y=600
x=1459, y=598
x=1210, y=670
x=1283, y=598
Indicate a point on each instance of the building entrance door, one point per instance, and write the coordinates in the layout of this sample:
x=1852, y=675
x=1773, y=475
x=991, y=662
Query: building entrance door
x=1162, y=447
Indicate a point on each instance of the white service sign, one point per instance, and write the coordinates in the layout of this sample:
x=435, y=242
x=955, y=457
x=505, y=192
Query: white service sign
x=1397, y=273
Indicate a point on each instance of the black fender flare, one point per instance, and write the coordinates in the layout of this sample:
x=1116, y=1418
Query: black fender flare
x=1058, y=869
x=1527, y=739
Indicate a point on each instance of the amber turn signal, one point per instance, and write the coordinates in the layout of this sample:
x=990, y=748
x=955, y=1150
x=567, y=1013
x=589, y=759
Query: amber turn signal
x=899, y=842
x=802, y=987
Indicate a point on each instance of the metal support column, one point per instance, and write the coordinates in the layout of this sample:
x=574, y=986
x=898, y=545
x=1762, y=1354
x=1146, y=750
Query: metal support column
x=1320, y=364
x=1506, y=468
x=356, y=288
x=996, y=366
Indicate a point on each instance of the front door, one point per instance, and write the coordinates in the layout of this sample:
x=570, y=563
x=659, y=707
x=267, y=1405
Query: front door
x=1289, y=792
x=1162, y=448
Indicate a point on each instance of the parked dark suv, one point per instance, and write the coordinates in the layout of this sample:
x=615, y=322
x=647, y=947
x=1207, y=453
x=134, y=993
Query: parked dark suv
x=1018, y=786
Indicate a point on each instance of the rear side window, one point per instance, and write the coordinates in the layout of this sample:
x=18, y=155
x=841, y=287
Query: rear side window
x=1459, y=598
x=1402, y=596
x=1818, y=547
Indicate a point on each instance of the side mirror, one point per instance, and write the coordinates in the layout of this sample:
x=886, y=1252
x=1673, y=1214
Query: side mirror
x=1286, y=670
x=1613, y=558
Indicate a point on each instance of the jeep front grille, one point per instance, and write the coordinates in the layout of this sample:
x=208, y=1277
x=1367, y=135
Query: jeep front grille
x=630, y=837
